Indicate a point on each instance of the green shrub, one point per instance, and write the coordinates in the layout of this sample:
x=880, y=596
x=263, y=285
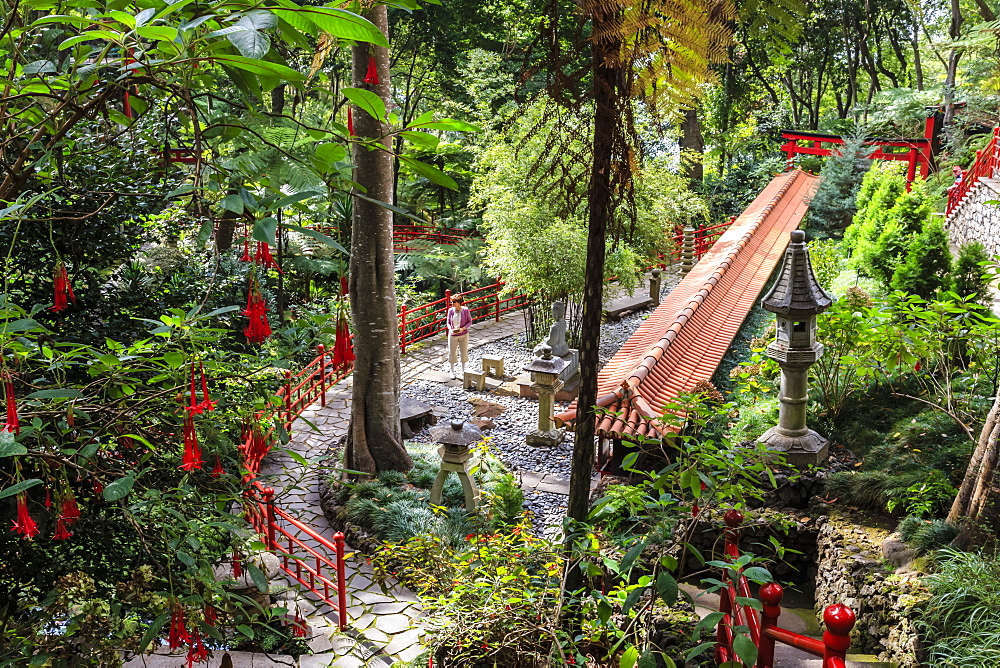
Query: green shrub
x=961, y=621
x=969, y=276
x=933, y=535
x=880, y=189
x=927, y=267
x=403, y=519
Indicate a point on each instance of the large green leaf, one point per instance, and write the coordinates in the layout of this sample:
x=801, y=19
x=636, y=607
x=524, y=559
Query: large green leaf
x=64, y=393
x=9, y=447
x=366, y=100
x=23, y=325
x=666, y=587
x=429, y=172
x=157, y=33
x=335, y=22
x=260, y=67
x=119, y=488
x=264, y=230
x=745, y=649
x=250, y=41
x=19, y=487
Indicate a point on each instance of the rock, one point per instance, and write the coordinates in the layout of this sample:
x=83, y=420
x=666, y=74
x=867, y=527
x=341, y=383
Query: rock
x=896, y=552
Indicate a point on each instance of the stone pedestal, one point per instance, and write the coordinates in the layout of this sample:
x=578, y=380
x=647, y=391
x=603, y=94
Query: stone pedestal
x=455, y=460
x=545, y=372
x=802, y=449
x=572, y=360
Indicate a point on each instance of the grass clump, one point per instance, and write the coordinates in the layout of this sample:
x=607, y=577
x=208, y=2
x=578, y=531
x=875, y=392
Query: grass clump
x=961, y=622
x=926, y=536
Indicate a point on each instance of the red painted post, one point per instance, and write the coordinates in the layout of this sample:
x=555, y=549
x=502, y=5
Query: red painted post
x=338, y=541
x=839, y=620
x=498, y=304
x=402, y=328
x=447, y=305
x=911, y=170
x=733, y=519
x=322, y=374
x=770, y=596
x=288, y=400
x=269, y=520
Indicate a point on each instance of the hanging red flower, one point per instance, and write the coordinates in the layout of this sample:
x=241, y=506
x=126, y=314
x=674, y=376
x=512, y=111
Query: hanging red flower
x=192, y=451
x=343, y=349
x=194, y=407
x=350, y=121
x=178, y=635
x=237, y=565
x=300, y=627
x=13, y=424
x=246, y=252
x=62, y=287
x=24, y=524
x=206, y=401
x=264, y=257
x=343, y=286
x=48, y=497
x=211, y=616
x=62, y=533
x=98, y=488
x=371, y=76
x=69, y=511
x=917, y=367
x=217, y=470
x=196, y=650
x=258, y=328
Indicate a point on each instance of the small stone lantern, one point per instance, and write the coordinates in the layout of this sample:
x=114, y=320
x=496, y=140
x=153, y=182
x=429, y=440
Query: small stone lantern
x=545, y=381
x=796, y=299
x=455, y=440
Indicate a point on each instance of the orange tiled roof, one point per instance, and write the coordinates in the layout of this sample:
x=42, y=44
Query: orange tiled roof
x=682, y=342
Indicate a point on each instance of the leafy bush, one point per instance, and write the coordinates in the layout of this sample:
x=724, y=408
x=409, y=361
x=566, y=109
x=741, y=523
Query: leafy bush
x=961, y=622
x=926, y=270
x=970, y=276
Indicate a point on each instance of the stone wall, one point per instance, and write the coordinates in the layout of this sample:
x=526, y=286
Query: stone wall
x=851, y=570
x=975, y=220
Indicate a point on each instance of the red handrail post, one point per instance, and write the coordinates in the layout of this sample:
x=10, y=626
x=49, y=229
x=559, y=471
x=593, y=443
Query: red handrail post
x=321, y=349
x=498, y=303
x=269, y=520
x=839, y=620
x=402, y=328
x=770, y=595
x=338, y=541
x=288, y=400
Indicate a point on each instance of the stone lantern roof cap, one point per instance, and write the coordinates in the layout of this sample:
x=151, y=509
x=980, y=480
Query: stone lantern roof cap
x=797, y=292
x=457, y=432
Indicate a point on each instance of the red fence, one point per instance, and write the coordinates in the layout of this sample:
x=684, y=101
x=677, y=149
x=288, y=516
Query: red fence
x=314, y=561
x=763, y=627
x=404, y=237
x=983, y=167
x=427, y=320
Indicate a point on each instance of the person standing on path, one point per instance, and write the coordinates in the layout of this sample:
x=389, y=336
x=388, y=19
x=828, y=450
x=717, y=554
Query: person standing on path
x=459, y=320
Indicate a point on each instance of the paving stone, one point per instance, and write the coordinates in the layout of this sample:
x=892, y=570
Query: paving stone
x=403, y=641
x=390, y=608
x=410, y=653
x=376, y=636
x=371, y=597
x=364, y=621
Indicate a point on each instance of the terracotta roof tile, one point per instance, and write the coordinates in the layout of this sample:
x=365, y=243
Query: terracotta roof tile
x=682, y=342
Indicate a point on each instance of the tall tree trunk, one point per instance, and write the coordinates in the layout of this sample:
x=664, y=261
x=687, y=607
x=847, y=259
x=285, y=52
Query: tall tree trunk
x=374, y=442
x=954, y=31
x=974, y=496
x=694, y=144
x=606, y=79
x=226, y=231
x=918, y=68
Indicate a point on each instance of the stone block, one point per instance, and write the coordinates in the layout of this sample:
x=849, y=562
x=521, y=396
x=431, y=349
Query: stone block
x=493, y=365
x=475, y=380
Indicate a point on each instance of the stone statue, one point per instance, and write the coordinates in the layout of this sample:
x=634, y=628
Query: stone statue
x=556, y=340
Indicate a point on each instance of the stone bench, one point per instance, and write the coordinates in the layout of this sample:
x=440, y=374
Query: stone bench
x=493, y=365
x=413, y=416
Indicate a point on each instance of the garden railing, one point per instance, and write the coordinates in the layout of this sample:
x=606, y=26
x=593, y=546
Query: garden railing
x=763, y=627
x=983, y=167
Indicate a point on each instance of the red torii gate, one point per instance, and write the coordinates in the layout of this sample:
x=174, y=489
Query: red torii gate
x=916, y=152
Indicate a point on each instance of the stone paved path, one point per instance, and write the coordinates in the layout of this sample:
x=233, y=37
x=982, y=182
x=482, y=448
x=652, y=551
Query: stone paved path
x=381, y=622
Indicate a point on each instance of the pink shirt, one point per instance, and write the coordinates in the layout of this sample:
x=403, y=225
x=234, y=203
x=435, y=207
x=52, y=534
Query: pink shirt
x=459, y=320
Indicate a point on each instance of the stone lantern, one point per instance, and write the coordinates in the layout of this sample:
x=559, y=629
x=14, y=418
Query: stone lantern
x=455, y=439
x=545, y=382
x=796, y=299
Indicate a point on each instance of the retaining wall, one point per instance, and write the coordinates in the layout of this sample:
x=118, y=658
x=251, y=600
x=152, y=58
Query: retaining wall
x=975, y=220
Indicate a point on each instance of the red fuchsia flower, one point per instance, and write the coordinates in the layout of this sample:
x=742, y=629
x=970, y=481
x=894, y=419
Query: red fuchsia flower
x=196, y=650
x=917, y=367
x=24, y=524
x=211, y=616
x=194, y=407
x=62, y=533
x=237, y=565
x=217, y=470
x=265, y=258
x=98, y=487
x=371, y=76
x=48, y=497
x=69, y=511
x=258, y=328
x=192, y=451
x=206, y=401
x=178, y=635
x=343, y=350
x=350, y=121
x=300, y=627
x=246, y=252
x=62, y=287
x=13, y=424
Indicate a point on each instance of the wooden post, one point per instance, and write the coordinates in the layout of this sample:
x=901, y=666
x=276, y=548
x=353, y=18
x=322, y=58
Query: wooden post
x=770, y=595
x=269, y=521
x=322, y=374
x=402, y=327
x=338, y=541
x=288, y=400
x=839, y=620
x=498, y=304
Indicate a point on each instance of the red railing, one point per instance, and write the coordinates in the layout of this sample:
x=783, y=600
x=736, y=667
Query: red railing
x=427, y=320
x=403, y=236
x=983, y=167
x=916, y=152
x=704, y=238
x=299, y=547
x=763, y=628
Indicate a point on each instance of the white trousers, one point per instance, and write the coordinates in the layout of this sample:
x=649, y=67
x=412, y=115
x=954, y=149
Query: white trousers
x=456, y=343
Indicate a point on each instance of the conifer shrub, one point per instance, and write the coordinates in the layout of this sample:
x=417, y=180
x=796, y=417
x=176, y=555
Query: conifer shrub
x=927, y=267
x=880, y=188
x=832, y=207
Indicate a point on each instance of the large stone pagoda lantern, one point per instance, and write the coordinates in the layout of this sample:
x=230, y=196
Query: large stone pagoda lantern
x=796, y=299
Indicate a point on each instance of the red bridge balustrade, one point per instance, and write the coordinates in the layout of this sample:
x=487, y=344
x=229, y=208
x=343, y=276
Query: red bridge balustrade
x=763, y=627
x=983, y=167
